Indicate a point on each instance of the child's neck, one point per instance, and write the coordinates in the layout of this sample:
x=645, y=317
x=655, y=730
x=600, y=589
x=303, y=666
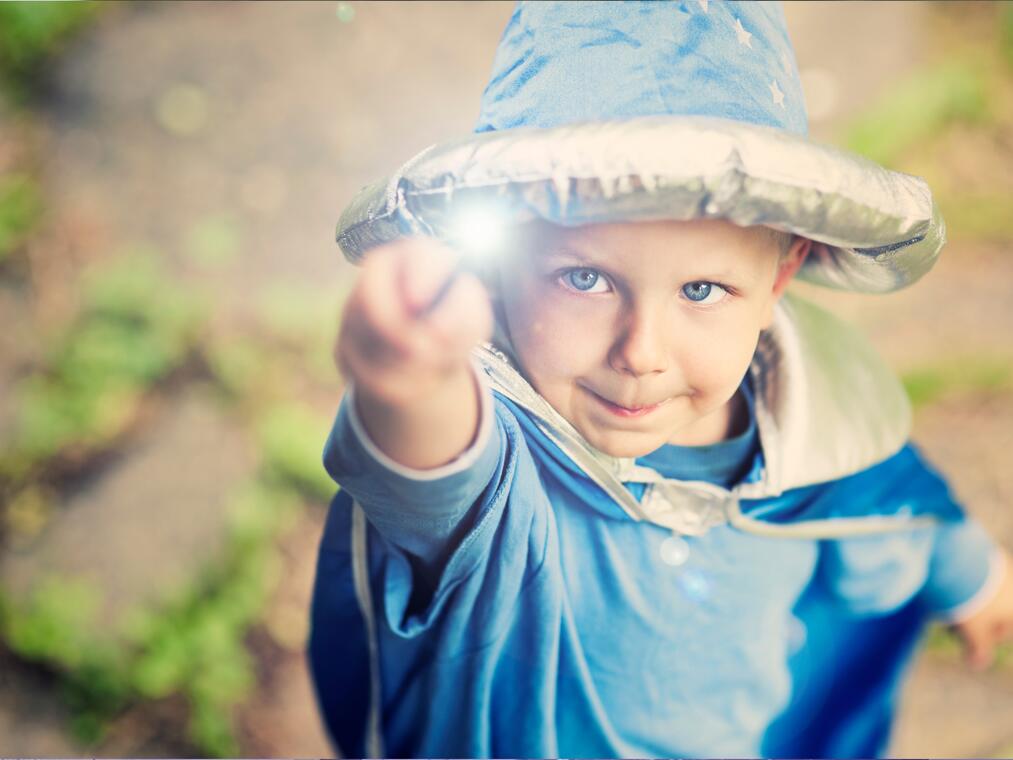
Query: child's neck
x=725, y=423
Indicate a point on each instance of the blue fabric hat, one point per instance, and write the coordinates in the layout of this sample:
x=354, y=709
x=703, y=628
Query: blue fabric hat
x=565, y=62
x=625, y=111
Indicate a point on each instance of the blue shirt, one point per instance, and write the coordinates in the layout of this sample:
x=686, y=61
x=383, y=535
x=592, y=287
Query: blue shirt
x=506, y=607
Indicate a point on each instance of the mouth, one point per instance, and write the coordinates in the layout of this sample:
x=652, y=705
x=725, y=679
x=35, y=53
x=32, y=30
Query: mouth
x=627, y=412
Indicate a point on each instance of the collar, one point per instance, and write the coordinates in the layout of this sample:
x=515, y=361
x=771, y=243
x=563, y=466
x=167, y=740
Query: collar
x=826, y=407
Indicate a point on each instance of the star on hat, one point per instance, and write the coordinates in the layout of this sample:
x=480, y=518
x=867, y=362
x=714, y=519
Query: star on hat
x=742, y=34
x=776, y=94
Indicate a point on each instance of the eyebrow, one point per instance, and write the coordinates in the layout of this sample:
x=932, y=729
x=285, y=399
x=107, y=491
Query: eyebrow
x=556, y=251
x=562, y=251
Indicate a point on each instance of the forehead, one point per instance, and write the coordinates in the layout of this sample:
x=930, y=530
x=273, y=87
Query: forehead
x=710, y=241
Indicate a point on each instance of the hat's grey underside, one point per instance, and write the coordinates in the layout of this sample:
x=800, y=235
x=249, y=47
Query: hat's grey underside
x=875, y=230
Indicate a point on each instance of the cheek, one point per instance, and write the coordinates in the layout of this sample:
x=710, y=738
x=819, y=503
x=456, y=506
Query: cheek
x=557, y=338
x=719, y=360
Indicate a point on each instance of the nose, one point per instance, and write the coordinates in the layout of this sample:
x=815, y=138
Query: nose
x=641, y=347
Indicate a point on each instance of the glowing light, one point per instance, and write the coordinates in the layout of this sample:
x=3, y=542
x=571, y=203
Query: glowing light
x=478, y=231
x=345, y=13
x=695, y=585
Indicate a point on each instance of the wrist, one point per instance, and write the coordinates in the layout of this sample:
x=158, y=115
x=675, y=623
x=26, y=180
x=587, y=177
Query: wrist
x=424, y=430
x=466, y=459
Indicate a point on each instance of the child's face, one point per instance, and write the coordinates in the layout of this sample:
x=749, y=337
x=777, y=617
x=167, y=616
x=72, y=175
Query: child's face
x=640, y=333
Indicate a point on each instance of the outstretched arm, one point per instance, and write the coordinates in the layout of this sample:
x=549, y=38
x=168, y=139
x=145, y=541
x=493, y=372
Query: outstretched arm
x=415, y=391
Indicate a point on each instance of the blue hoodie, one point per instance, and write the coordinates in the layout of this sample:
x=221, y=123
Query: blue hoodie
x=505, y=605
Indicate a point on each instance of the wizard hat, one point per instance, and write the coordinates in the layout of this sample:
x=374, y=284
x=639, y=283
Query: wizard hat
x=679, y=110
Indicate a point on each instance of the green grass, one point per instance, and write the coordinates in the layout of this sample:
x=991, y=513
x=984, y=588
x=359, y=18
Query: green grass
x=915, y=110
x=31, y=35
x=20, y=208
x=979, y=216
x=291, y=438
x=942, y=641
x=193, y=644
x=135, y=325
x=214, y=241
x=1006, y=32
x=965, y=375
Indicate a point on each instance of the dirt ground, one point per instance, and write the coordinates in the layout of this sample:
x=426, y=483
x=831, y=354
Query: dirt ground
x=165, y=116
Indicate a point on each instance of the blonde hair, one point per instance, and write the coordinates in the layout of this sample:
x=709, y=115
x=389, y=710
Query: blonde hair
x=781, y=239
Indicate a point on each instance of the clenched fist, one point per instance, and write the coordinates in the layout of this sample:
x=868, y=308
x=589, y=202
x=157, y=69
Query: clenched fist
x=414, y=388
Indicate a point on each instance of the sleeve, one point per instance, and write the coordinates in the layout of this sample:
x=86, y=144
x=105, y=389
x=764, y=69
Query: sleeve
x=436, y=545
x=419, y=511
x=965, y=571
x=951, y=567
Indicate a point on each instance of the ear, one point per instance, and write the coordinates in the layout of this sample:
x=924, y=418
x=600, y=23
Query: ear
x=787, y=266
x=790, y=264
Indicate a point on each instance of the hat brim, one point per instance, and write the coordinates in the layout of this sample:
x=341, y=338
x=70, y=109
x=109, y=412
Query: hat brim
x=874, y=230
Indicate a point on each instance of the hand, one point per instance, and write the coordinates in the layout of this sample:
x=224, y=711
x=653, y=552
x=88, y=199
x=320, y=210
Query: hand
x=991, y=625
x=388, y=344
x=415, y=392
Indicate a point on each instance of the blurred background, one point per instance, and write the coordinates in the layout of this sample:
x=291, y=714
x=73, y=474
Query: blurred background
x=170, y=179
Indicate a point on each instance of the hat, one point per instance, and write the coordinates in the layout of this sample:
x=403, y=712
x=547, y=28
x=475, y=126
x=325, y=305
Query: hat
x=633, y=111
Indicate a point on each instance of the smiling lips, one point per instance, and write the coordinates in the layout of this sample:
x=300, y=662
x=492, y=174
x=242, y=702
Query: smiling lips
x=627, y=412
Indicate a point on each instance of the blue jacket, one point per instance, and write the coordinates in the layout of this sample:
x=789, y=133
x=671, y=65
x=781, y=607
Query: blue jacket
x=537, y=599
x=507, y=606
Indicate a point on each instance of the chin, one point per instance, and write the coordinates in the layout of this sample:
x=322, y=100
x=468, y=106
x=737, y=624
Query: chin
x=625, y=445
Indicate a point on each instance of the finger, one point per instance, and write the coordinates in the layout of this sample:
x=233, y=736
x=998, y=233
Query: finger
x=424, y=265
x=383, y=316
x=464, y=317
x=980, y=654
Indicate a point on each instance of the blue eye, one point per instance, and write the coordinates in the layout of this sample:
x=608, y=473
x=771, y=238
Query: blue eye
x=585, y=280
x=704, y=292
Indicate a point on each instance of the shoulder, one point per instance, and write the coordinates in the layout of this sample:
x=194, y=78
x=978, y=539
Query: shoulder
x=827, y=405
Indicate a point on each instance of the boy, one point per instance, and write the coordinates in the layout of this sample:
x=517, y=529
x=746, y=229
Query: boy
x=667, y=512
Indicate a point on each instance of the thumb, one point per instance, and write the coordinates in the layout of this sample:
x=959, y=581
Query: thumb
x=979, y=652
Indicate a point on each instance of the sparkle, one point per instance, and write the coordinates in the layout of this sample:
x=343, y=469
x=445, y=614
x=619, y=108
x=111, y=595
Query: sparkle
x=776, y=94
x=345, y=13
x=695, y=585
x=742, y=34
x=703, y=4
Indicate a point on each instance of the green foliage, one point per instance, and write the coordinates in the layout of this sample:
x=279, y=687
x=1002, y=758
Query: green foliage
x=983, y=217
x=942, y=641
x=135, y=325
x=20, y=206
x=55, y=624
x=33, y=32
x=967, y=375
x=196, y=646
x=1006, y=32
x=298, y=314
x=929, y=101
x=193, y=645
x=291, y=439
x=240, y=365
x=214, y=241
